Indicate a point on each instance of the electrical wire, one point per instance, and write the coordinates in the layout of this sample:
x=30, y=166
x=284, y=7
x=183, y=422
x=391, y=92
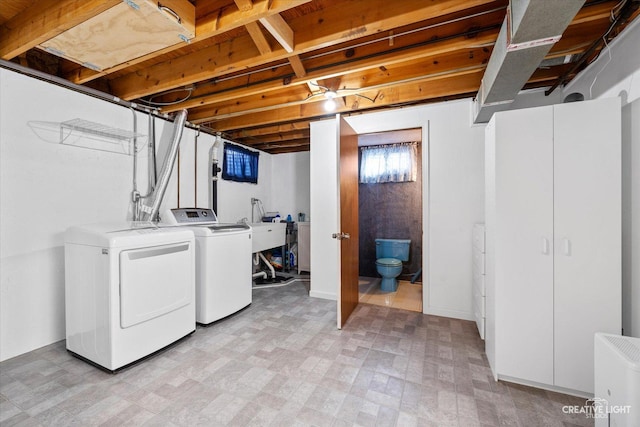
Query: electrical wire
x=336, y=91
x=333, y=51
x=164, y=104
x=614, y=19
x=617, y=14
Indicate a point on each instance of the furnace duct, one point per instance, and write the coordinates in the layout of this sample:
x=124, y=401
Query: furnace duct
x=150, y=206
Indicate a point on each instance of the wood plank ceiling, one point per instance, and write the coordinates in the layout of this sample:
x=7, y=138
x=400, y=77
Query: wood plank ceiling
x=258, y=70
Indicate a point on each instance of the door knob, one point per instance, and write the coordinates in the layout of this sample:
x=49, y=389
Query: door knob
x=341, y=236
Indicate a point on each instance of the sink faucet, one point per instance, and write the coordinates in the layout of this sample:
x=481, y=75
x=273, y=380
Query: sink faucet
x=255, y=202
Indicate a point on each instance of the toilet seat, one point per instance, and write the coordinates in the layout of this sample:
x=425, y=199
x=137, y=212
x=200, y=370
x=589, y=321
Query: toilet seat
x=389, y=262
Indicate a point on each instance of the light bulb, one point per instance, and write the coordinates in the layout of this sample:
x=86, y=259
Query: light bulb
x=330, y=105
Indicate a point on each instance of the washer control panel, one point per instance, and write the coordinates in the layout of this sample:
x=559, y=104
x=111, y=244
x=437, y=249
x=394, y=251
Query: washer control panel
x=189, y=216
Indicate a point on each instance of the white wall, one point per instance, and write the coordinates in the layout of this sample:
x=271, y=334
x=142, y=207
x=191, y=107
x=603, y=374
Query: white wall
x=234, y=198
x=453, y=173
x=283, y=182
x=324, y=211
x=617, y=73
x=290, y=184
x=45, y=187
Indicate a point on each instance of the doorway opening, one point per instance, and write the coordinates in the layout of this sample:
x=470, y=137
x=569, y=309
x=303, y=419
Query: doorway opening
x=391, y=210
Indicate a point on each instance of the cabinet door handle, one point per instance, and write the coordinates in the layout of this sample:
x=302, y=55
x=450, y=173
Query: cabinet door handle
x=566, y=243
x=545, y=246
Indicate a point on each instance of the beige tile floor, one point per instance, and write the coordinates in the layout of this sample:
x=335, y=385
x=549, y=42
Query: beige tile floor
x=282, y=362
x=407, y=297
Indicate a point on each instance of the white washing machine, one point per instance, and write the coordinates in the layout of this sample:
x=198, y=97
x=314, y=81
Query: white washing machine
x=223, y=262
x=129, y=291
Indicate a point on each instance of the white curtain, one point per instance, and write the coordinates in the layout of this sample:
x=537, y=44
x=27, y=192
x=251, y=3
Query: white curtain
x=389, y=163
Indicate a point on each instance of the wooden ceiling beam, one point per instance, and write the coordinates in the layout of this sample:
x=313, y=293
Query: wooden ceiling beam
x=581, y=35
x=276, y=137
x=257, y=103
x=302, y=125
x=280, y=144
x=258, y=38
x=593, y=12
x=374, y=79
x=298, y=67
x=430, y=65
x=359, y=18
x=574, y=41
x=406, y=55
x=213, y=24
x=412, y=36
x=262, y=104
x=293, y=149
x=280, y=30
x=44, y=21
x=244, y=5
x=430, y=87
x=253, y=28
x=316, y=30
x=543, y=75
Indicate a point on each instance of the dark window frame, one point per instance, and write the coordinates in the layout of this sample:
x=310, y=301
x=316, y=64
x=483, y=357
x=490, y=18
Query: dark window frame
x=240, y=164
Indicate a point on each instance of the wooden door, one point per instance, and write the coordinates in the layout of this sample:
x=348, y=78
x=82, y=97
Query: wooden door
x=348, y=233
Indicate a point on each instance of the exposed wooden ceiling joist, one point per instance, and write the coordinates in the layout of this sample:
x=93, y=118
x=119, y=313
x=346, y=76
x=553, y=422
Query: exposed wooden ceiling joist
x=280, y=137
x=48, y=19
x=434, y=87
x=353, y=66
x=417, y=71
x=261, y=132
x=280, y=30
x=316, y=30
x=257, y=70
x=258, y=37
x=298, y=67
x=215, y=23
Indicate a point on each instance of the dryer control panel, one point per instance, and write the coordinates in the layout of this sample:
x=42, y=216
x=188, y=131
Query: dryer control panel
x=189, y=216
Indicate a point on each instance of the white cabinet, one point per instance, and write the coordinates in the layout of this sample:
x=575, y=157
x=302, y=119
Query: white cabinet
x=478, y=252
x=304, y=245
x=553, y=237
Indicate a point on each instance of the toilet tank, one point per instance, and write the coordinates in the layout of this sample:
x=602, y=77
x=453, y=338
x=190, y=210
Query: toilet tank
x=393, y=248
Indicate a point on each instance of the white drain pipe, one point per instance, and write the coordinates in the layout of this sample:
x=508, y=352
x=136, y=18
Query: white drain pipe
x=256, y=261
x=273, y=271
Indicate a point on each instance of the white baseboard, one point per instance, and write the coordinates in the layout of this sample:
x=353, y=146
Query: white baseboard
x=323, y=295
x=455, y=314
x=569, y=391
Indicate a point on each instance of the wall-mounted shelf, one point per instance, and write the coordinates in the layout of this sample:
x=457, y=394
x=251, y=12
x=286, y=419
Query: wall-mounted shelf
x=97, y=136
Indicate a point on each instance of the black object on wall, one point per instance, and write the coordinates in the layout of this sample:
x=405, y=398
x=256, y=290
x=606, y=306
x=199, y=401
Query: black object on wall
x=214, y=185
x=391, y=210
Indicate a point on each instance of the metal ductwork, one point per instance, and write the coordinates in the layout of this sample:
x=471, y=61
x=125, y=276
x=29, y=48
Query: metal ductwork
x=151, y=208
x=528, y=32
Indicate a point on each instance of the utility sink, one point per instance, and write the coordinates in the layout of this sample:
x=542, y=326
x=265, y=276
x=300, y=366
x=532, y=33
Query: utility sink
x=267, y=235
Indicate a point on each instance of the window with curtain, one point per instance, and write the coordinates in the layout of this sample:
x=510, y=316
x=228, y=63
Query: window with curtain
x=239, y=164
x=388, y=163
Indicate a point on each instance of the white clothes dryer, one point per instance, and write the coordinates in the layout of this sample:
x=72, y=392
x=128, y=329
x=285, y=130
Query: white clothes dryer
x=223, y=262
x=129, y=291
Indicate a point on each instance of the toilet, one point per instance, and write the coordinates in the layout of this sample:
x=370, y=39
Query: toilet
x=390, y=253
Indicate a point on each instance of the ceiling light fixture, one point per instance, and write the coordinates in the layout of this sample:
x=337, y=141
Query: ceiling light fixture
x=330, y=103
